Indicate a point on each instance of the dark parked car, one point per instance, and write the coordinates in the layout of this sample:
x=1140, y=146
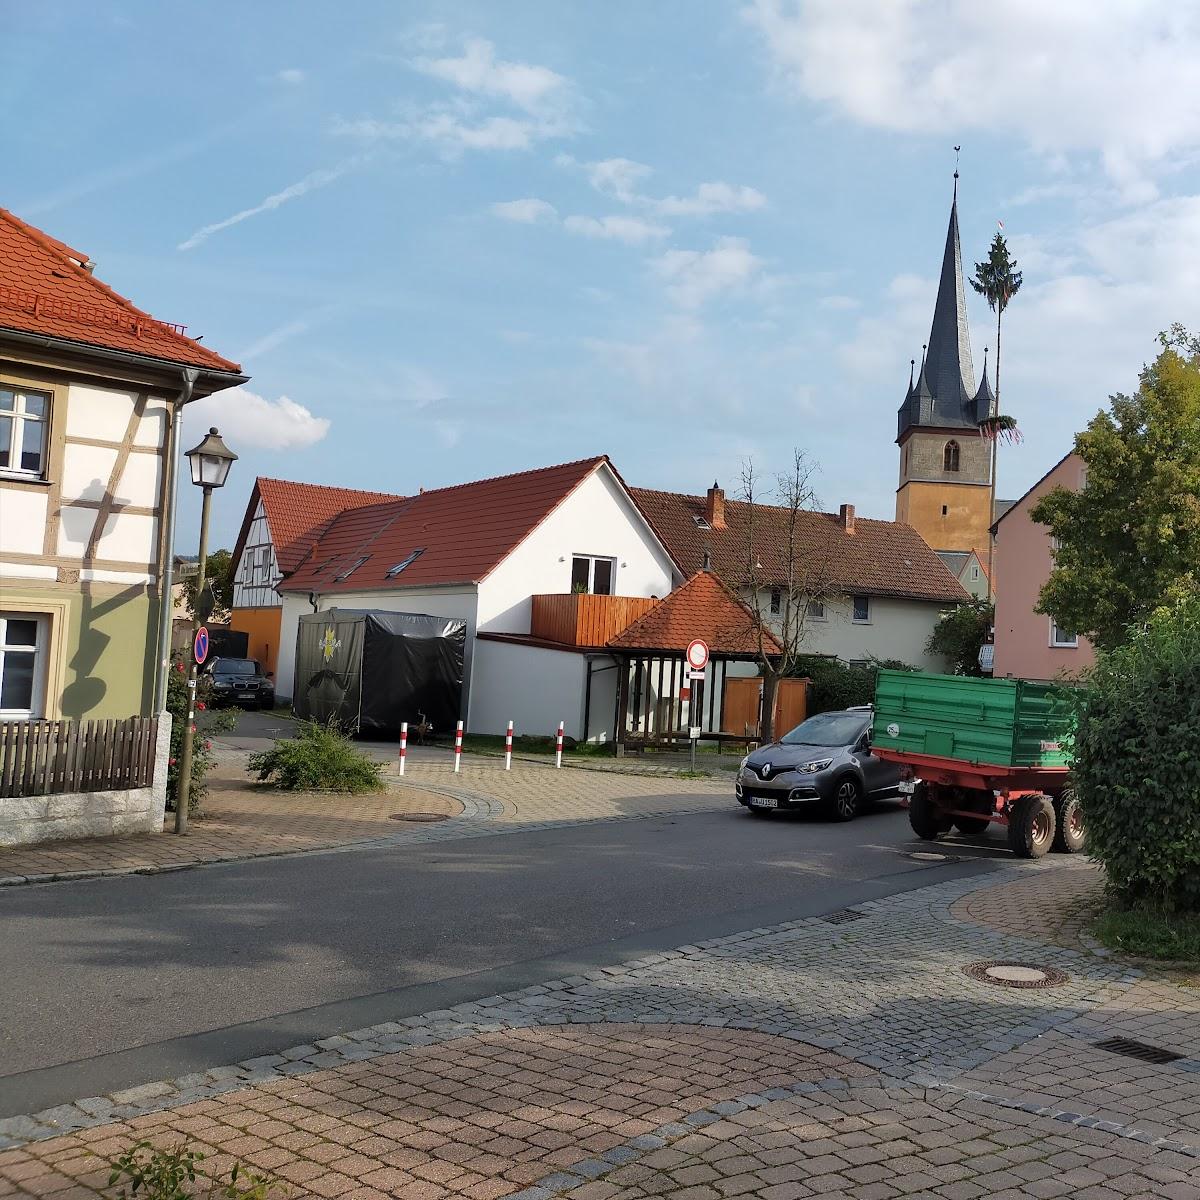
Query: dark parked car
x=242, y=681
x=825, y=760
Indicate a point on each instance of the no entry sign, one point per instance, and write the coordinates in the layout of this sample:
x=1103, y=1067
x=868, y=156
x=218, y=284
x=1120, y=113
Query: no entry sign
x=697, y=654
x=200, y=645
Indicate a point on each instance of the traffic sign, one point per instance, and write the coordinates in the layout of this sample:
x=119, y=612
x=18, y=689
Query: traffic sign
x=697, y=654
x=200, y=646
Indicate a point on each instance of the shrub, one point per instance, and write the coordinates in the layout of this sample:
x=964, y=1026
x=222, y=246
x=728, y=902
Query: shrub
x=835, y=685
x=320, y=758
x=1137, y=762
x=208, y=722
x=959, y=635
x=172, y=1174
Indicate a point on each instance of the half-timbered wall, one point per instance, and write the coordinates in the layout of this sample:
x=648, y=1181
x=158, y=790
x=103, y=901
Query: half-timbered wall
x=257, y=571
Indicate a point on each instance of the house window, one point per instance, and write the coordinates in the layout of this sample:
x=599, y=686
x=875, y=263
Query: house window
x=950, y=456
x=945, y=510
x=816, y=610
x=264, y=562
x=24, y=421
x=862, y=608
x=591, y=574
x=22, y=652
x=776, y=600
x=1062, y=637
x=974, y=573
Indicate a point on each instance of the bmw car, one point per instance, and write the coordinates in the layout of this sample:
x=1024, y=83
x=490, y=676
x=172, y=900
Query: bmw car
x=242, y=681
x=825, y=761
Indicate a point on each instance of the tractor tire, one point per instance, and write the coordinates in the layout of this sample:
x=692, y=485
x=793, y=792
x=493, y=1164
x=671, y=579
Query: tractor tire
x=926, y=819
x=971, y=825
x=1031, y=826
x=1070, y=836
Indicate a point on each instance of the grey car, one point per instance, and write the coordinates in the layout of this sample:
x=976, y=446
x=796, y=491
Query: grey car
x=825, y=760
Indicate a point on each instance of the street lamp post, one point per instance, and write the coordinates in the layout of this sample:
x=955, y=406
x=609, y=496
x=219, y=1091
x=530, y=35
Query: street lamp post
x=210, y=462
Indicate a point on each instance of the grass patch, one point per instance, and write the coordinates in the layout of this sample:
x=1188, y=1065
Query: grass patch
x=1171, y=937
x=320, y=758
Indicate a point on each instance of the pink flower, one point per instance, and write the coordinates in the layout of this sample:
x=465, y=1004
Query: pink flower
x=200, y=705
x=193, y=729
x=170, y=762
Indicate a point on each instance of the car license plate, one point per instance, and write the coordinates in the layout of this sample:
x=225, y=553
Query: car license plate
x=763, y=802
x=907, y=787
x=245, y=695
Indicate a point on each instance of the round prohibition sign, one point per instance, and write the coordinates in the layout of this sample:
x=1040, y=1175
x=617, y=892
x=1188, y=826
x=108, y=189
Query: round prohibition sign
x=200, y=646
x=697, y=654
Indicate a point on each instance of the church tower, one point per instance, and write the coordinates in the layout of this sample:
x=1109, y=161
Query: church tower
x=945, y=465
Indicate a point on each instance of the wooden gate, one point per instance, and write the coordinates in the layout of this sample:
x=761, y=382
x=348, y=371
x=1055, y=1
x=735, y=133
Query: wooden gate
x=742, y=709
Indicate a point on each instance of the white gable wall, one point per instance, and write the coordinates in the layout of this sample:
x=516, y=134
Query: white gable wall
x=597, y=519
x=253, y=579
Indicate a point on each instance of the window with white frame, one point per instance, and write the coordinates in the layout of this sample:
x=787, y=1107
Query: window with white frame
x=815, y=610
x=974, y=573
x=1062, y=637
x=264, y=563
x=592, y=574
x=22, y=664
x=862, y=608
x=24, y=431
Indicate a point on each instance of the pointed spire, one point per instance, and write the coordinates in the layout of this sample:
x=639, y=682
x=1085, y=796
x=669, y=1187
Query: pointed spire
x=985, y=398
x=948, y=366
x=912, y=362
x=922, y=380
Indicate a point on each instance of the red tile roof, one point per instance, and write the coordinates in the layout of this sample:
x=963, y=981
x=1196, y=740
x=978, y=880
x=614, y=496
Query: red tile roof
x=45, y=289
x=704, y=608
x=297, y=513
x=882, y=558
x=462, y=532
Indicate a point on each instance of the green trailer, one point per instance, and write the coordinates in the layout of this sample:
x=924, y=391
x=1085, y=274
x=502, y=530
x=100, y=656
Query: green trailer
x=979, y=751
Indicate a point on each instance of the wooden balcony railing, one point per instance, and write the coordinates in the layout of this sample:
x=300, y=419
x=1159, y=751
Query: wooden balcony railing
x=584, y=620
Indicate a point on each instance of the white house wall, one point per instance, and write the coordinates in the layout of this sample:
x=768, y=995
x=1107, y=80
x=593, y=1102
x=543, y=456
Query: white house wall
x=22, y=522
x=254, y=586
x=533, y=687
x=596, y=519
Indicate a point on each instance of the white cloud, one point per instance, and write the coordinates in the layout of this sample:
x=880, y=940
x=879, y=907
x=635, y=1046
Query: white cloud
x=527, y=212
x=709, y=198
x=631, y=230
x=275, y=338
x=693, y=277
x=838, y=303
x=616, y=177
x=478, y=70
x=312, y=181
x=1116, y=79
x=248, y=419
x=292, y=75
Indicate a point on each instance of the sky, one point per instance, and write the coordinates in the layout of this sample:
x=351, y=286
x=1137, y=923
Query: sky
x=449, y=240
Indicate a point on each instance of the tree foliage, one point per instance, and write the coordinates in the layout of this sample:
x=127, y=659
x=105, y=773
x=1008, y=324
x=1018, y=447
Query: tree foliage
x=1136, y=765
x=959, y=635
x=219, y=577
x=997, y=279
x=208, y=721
x=836, y=685
x=1128, y=542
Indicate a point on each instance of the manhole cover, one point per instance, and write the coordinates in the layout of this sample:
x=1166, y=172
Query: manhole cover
x=932, y=856
x=1016, y=975
x=418, y=817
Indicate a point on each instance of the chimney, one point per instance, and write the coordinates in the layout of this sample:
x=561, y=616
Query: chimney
x=846, y=518
x=714, y=508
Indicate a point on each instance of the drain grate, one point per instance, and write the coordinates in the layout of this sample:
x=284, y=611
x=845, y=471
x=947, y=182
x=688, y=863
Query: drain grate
x=843, y=916
x=419, y=817
x=1138, y=1050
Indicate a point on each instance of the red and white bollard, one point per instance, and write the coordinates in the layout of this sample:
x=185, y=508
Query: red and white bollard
x=458, y=748
x=403, y=744
x=558, y=741
x=508, y=747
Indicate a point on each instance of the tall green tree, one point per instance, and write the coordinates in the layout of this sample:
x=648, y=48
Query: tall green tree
x=960, y=633
x=218, y=575
x=997, y=280
x=1128, y=543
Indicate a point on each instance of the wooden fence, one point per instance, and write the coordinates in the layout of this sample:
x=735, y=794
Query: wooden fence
x=43, y=758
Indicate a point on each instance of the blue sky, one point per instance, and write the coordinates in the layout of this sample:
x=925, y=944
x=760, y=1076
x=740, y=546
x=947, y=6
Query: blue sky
x=449, y=240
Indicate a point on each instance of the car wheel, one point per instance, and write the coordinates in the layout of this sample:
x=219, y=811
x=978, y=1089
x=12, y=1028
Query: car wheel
x=846, y=800
x=1069, y=834
x=1031, y=827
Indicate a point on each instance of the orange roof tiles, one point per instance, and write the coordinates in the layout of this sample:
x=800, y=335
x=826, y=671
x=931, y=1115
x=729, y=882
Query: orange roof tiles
x=704, y=608
x=462, y=532
x=883, y=558
x=45, y=289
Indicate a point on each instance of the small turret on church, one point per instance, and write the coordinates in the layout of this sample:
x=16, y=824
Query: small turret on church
x=945, y=465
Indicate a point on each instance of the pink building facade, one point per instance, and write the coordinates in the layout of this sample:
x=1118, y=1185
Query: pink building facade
x=1028, y=644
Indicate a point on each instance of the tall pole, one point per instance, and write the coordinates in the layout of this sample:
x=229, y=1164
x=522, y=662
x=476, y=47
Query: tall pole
x=991, y=516
x=183, y=791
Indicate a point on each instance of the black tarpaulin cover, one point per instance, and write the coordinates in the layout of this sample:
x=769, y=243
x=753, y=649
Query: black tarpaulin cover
x=370, y=670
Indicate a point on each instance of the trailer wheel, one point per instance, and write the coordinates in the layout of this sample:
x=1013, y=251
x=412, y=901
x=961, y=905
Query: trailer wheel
x=1069, y=834
x=926, y=819
x=1031, y=827
x=971, y=825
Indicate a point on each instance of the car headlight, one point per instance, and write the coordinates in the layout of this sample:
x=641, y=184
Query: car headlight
x=742, y=764
x=817, y=764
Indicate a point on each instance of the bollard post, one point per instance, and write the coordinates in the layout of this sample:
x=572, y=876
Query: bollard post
x=458, y=747
x=403, y=744
x=558, y=741
x=508, y=747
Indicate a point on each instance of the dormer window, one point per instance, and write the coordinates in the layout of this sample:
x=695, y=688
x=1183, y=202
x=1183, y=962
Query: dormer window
x=405, y=562
x=358, y=562
x=950, y=456
x=701, y=521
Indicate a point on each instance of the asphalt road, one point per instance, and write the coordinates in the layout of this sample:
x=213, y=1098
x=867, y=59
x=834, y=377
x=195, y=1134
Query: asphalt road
x=112, y=982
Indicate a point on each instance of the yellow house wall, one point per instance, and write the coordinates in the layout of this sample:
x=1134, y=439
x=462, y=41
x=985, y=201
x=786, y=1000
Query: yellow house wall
x=965, y=523
x=262, y=627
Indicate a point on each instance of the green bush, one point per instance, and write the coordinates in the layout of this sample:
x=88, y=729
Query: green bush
x=835, y=685
x=1137, y=762
x=958, y=636
x=172, y=1174
x=320, y=758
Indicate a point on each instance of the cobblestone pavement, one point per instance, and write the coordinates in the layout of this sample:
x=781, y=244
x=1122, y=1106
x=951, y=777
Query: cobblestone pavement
x=845, y=1055
x=244, y=822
